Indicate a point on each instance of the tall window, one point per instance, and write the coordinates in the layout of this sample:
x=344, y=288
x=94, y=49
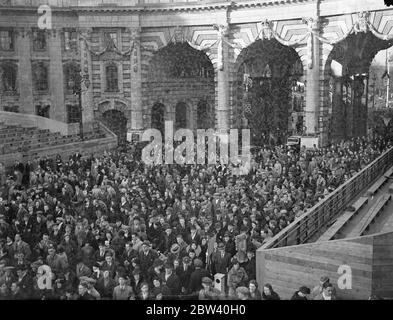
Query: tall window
x=73, y=114
x=70, y=40
x=6, y=40
x=111, y=78
x=181, y=115
x=70, y=70
x=40, y=77
x=39, y=40
x=9, y=78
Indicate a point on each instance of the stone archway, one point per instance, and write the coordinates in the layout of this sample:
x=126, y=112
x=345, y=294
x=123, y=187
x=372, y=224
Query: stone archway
x=269, y=77
x=158, y=117
x=347, y=67
x=179, y=73
x=116, y=121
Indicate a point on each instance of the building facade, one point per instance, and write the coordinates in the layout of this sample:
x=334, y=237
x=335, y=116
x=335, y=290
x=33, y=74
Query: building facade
x=194, y=63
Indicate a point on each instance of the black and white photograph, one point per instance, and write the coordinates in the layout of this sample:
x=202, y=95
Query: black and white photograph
x=170, y=151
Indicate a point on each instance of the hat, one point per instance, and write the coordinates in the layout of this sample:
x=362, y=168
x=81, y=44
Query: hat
x=146, y=243
x=9, y=268
x=207, y=280
x=198, y=263
x=304, y=290
x=186, y=260
x=221, y=246
x=175, y=248
x=324, y=279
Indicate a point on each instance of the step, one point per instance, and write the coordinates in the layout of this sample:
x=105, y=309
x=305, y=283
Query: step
x=376, y=186
x=391, y=189
x=389, y=173
x=370, y=216
x=343, y=220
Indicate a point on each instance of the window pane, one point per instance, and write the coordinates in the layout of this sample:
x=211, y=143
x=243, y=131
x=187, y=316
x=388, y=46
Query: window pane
x=111, y=78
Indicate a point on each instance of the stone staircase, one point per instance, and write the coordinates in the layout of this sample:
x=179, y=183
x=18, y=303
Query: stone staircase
x=15, y=138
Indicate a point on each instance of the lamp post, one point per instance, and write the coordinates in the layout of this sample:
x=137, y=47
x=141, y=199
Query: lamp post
x=75, y=82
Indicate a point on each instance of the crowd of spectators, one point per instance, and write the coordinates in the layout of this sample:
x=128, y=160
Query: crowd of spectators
x=111, y=227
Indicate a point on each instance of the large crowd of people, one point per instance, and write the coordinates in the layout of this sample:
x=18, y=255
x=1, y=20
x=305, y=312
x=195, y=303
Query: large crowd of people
x=111, y=227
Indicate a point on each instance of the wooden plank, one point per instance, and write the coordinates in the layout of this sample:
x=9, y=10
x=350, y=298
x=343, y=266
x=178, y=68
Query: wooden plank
x=337, y=226
x=369, y=216
x=376, y=186
x=389, y=173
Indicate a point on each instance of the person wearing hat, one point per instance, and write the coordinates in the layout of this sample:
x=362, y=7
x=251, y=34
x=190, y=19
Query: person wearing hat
x=208, y=292
x=301, y=294
x=328, y=292
x=147, y=257
x=123, y=291
x=105, y=285
x=169, y=238
x=317, y=290
x=172, y=280
x=220, y=260
x=25, y=282
x=236, y=277
x=196, y=278
x=184, y=272
x=83, y=292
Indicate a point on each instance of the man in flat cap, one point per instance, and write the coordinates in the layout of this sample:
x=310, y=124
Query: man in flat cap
x=147, y=257
x=208, y=292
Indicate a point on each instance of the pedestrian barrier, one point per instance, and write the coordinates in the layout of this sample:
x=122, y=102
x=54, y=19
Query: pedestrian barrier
x=343, y=220
x=320, y=215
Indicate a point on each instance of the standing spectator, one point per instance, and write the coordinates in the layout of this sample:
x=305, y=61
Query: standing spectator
x=327, y=292
x=268, y=293
x=208, y=292
x=123, y=291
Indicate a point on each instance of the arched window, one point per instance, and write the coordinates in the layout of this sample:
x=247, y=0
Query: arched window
x=157, y=116
x=40, y=77
x=181, y=115
x=9, y=78
x=111, y=78
x=205, y=117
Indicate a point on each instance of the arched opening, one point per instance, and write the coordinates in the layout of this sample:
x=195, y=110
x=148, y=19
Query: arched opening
x=348, y=71
x=178, y=72
x=158, y=117
x=205, y=115
x=270, y=91
x=181, y=115
x=117, y=122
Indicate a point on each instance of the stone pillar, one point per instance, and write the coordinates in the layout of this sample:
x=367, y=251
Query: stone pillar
x=359, y=119
x=313, y=83
x=25, y=79
x=222, y=77
x=136, y=124
x=56, y=79
x=86, y=68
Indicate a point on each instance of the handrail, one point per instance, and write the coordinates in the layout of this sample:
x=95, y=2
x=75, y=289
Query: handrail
x=304, y=227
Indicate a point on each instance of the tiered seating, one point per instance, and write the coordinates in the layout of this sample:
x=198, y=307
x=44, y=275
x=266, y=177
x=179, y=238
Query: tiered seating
x=371, y=215
x=343, y=219
x=376, y=186
x=21, y=139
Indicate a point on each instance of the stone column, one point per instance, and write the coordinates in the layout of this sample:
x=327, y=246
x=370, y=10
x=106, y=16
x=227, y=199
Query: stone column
x=136, y=124
x=86, y=68
x=25, y=80
x=313, y=83
x=222, y=77
x=56, y=79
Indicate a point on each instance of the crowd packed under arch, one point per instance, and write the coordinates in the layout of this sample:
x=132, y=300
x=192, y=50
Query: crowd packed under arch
x=110, y=227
